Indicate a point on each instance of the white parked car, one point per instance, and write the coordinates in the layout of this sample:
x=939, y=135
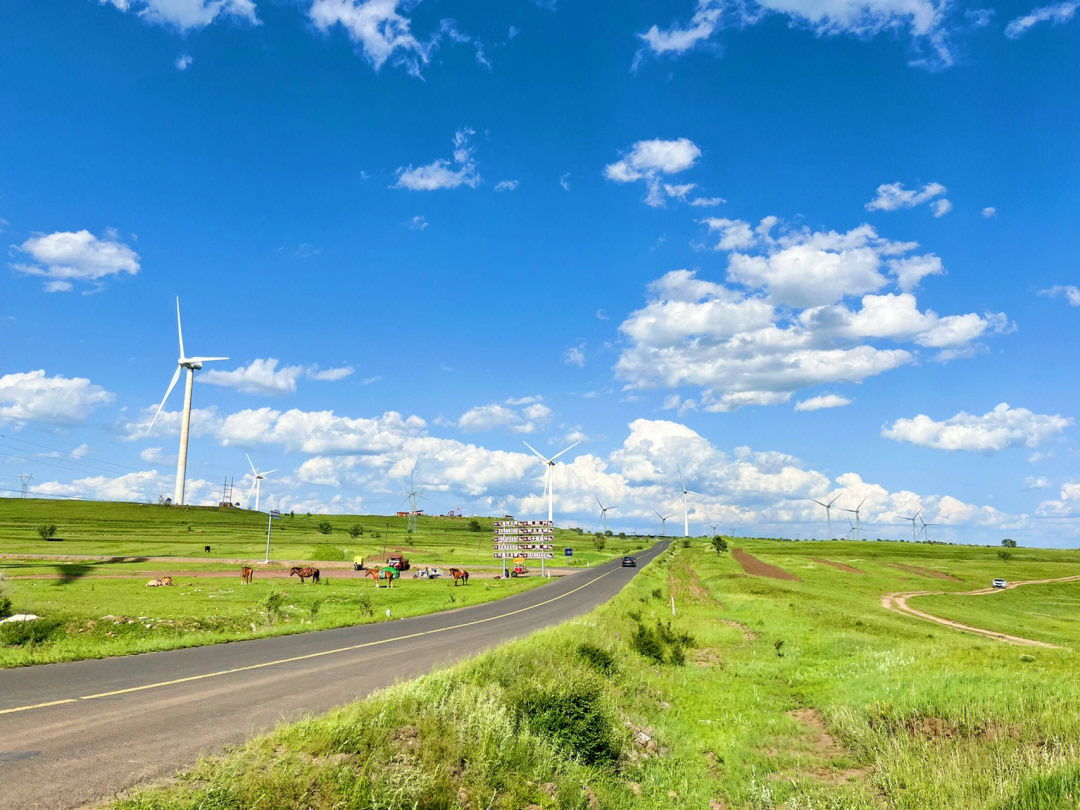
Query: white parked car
x=999, y=583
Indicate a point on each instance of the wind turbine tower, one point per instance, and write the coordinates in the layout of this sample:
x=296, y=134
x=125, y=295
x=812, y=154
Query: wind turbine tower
x=550, y=462
x=256, y=485
x=192, y=364
x=858, y=520
x=663, y=521
x=828, y=511
x=914, y=534
x=685, y=492
x=604, y=511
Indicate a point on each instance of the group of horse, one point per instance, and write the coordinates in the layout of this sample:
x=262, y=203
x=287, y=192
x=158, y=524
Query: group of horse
x=389, y=574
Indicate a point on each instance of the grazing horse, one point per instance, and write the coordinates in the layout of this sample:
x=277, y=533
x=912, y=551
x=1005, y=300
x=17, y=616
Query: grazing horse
x=304, y=573
x=459, y=573
x=389, y=574
x=246, y=573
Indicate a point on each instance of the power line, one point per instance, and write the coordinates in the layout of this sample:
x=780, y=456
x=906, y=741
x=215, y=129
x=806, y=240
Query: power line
x=68, y=452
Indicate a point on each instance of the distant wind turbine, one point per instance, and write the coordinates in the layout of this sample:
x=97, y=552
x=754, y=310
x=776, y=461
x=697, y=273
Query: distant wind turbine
x=713, y=526
x=663, y=521
x=858, y=520
x=604, y=511
x=192, y=364
x=914, y=534
x=550, y=462
x=256, y=485
x=926, y=526
x=828, y=510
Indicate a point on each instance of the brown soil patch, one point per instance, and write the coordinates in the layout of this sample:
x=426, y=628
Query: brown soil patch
x=706, y=657
x=752, y=565
x=826, y=748
x=687, y=586
x=841, y=566
x=747, y=633
x=925, y=572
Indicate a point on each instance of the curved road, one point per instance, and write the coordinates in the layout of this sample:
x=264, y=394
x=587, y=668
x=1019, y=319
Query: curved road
x=77, y=733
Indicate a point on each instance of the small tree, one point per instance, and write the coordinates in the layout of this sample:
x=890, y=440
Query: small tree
x=325, y=527
x=46, y=531
x=599, y=542
x=719, y=543
x=356, y=530
x=1008, y=543
x=474, y=525
x=1004, y=555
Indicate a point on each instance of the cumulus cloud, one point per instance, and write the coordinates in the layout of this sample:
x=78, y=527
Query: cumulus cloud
x=522, y=415
x=330, y=374
x=575, y=356
x=188, y=14
x=33, y=397
x=824, y=401
x=1067, y=504
x=1069, y=292
x=259, y=377
x=65, y=257
x=183, y=62
x=649, y=160
x=441, y=173
x=1000, y=428
x=507, y=185
x=782, y=322
x=924, y=21
x=377, y=27
x=1036, y=482
x=1055, y=14
x=417, y=223
x=893, y=196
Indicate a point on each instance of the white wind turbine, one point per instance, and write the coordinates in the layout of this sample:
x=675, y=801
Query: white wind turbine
x=828, y=510
x=550, y=462
x=713, y=526
x=604, y=511
x=914, y=534
x=858, y=520
x=663, y=521
x=685, y=492
x=192, y=364
x=256, y=485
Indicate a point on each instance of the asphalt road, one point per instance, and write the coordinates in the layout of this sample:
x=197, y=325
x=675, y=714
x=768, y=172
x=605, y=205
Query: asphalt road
x=75, y=734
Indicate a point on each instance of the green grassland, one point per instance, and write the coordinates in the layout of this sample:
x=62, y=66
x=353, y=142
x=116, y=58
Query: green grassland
x=758, y=693
x=1049, y=612
x=94, y=611
x=149, y=530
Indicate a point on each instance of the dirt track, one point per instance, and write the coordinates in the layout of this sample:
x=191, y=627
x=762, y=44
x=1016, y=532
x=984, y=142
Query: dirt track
x=752, y=565
x=924, y=572
x=897, y=602
x=841, y=566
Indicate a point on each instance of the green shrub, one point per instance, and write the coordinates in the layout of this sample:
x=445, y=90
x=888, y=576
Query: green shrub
x=46, y=531
x=17, y=634
x=364, y=604
x=325, y=527
x=573, y=713
x=646, y=643
x=325, y=551
x=356, y=530
x=5, y=605
x=313, y=608
x=598, y=542
x=597, y=657
x=474, y=525
x=273, y=603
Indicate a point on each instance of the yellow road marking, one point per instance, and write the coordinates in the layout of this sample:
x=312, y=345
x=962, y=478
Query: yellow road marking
x=309, y=655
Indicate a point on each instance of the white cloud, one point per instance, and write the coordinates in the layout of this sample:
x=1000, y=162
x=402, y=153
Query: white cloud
x=417, y=223
x=1067, y=505
x=893, y=196
x=382, y=33
x=564, y=181
x=989, y=212
x=911, y=270
x=33, y=397
x=1055, y=14
x=155, y=455
x=1000, y=428
x=941, y=207
x=259, y=377
x=825, y=401
x=707, y=202
x=648, y=160
x=187, y=14
x=440, y=174
x=329, y=374
x=925, y=21
x=1069, y=292
x=575, y=356
x=66, y=257
x=522, y=415
x=507, y=185
x=183, y=62
x=1036, y=482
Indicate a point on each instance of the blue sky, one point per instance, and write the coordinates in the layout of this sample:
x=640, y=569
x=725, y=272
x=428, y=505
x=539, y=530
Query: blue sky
x=801, y=249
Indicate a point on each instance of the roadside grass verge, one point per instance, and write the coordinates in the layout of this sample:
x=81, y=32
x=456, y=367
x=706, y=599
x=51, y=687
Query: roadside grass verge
x=97, y=617
x=757, y=694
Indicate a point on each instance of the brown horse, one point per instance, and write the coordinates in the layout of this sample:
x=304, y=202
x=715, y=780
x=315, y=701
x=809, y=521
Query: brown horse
x=304, y=573
x=381, y=573
x=459, y=573
x=246, y=573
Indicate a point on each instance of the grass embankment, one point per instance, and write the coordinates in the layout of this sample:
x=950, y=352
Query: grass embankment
x=88, y=616
x=1049, y=612
x=148, y=530
x=760, y=693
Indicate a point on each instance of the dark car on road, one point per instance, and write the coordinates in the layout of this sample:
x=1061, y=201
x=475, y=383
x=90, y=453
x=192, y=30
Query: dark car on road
x=629, y=562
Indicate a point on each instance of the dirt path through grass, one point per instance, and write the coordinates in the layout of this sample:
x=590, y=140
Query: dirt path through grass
x=752, y=565
x=897, y=602
x=841, y=566
x=924, y=572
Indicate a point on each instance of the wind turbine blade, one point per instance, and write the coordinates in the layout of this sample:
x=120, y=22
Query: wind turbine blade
x=682, y=483
x=179, y=329
x=598, y=502
x=691, y=492
x=250, y=464
x=567, y=450
x=834, y=500
x=917, y=513
x=538, y=454
x=205, y=359
x=247, y=500
x=857, y=508
x=273, y=471
x=172, y=385
x=819, y=503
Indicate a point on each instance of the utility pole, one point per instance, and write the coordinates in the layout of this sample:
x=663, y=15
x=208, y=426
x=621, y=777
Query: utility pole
x=273, y=513
x=25, y=478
